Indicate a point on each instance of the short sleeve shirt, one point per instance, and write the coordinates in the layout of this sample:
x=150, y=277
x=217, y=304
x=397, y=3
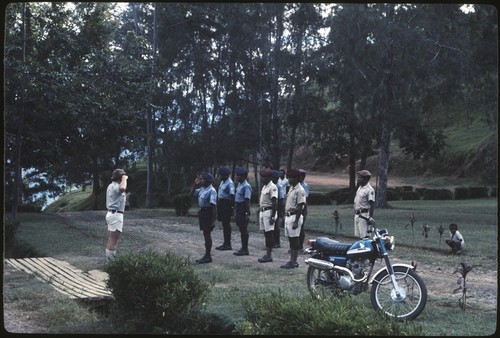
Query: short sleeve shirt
x=115, y=199
x=206, y=196
x=364, y=195
x=243, y=191
x=226, y=189
x=306, y=187
x=296, y=195
x=457, y=236
x=267, y=194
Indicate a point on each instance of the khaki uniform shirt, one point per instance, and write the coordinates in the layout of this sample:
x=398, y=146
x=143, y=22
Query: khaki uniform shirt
x=295, y=196
x=363, y=196
x=267, y=193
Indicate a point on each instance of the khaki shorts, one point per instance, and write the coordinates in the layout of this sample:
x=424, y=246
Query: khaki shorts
x=114, y=221
x=360, y=226
x=289, y=232
x=265, y=220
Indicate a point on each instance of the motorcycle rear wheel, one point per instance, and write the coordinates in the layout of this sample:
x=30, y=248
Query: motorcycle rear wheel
x=384, y=298
x=320, y=283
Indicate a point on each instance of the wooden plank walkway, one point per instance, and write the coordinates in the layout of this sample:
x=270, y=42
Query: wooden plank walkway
x=64, y=277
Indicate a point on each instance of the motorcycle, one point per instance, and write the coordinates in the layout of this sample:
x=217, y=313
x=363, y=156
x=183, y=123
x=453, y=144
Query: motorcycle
x=339, y=268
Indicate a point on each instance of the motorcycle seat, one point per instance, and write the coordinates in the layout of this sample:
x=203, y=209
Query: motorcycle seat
x=328, y=245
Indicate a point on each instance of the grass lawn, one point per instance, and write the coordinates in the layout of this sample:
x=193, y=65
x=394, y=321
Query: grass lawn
x=81, y=241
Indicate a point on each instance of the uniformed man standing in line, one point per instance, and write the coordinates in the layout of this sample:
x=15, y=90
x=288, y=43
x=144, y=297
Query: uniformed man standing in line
x=207, y=214
x=364, y=204
x=280, y=208
x=267, y=212
x=242, y=200
x=295, y=201
x=225, y=206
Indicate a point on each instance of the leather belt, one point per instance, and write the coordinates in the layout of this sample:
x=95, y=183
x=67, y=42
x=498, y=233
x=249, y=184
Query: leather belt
x=265, y=208
x=113, y=211
x=290, y=213
x=361, y=211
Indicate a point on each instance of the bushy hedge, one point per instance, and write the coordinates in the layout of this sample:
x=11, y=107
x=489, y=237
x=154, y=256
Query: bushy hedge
x=340, y=196
x=437, y=194
x=10, y=229
x=276, y=314
x=156, y=292
x=318, y=199
x=462, y=193
x=410, y=195
x=182, y=204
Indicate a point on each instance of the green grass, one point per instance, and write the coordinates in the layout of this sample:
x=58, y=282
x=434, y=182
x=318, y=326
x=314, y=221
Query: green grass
x=466, y=137
x=477, y=221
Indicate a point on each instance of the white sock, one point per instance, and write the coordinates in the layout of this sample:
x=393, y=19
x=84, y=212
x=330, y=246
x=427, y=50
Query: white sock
x=110, y=255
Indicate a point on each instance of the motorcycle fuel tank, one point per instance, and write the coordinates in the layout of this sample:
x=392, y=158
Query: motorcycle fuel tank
x=360, y=249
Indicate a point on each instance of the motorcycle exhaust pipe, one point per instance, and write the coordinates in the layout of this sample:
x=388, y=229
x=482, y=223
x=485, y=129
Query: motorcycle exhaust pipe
x=317, y=263
x=324, y=265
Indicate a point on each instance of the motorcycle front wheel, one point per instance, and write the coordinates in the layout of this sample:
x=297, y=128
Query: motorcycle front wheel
x=405, y=303
x=321, y=283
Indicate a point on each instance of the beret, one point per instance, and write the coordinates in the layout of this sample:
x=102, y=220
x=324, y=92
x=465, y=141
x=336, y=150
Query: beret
x=207, y=177
x=364, y=173
x=302, y=172
x=266, y=172
x=224, y=170
x=293, y=172
x=276, y=173
x=241, y=171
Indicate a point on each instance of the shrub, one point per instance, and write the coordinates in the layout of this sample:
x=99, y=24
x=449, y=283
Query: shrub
x=182, y=204
x=478, y=192
x=493, y=192
x=277, y=314
x=461, y=193
x=393, y=194
x=421, y=191
x=155, y=292
x=318, y=199
x=438, y=194
x=340, y=195
x=10, y=229
x=410, y=195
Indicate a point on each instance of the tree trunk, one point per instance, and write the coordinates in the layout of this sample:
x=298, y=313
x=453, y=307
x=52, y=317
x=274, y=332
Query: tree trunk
x=383, y=166
x=352, y=167
x=96, y=185
x=20, y=126
x=149, y=126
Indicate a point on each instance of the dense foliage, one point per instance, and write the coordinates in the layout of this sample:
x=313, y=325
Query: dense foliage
x=152, y=290
x=278, y=314
x=192, y=86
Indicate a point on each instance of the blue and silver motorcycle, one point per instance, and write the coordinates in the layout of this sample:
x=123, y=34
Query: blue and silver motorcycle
x=337, y=268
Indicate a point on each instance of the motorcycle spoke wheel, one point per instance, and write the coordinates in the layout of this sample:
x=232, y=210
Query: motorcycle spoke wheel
x=407, y=302
x=320, y=284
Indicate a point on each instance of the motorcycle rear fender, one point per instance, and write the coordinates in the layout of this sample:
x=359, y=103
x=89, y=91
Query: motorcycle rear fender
x=407, y=266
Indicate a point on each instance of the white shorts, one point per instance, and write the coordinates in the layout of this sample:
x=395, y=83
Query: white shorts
x=289, y=231
x=114, y=221
x=265, y=220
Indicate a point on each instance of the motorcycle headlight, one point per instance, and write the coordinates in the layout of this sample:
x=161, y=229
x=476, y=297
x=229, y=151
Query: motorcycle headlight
x=389, y=243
